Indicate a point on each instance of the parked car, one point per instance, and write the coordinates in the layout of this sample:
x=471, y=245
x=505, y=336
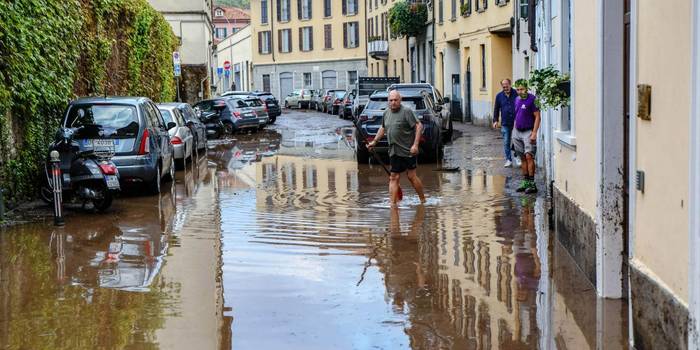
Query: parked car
x=143, y=153
x=327, y=100
x=441, y=104
x=273, y=106
x=346, y=111
x=316, y=99
x=260, y=110
x=298, y=98
x=197, y=127
x=370, y=120
x=180, y=135
x=365, y=87
x=236, y=93
x=335, y=101
x=233, y=112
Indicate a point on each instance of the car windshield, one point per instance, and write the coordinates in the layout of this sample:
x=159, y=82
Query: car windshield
x=377, y=105
x=254, y=102
x=115, y=120
x=167, y=116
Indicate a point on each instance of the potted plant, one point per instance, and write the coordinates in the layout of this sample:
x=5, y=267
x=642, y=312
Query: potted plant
x=466, y=9
x=551, y=86
x=407, y=19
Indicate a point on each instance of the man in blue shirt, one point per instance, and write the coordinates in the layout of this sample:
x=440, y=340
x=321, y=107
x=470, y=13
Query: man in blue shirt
x=504, y=109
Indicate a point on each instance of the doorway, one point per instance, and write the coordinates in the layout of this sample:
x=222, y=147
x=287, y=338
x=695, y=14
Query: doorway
x=468, y=92
x=286, y=84
x=456, y=99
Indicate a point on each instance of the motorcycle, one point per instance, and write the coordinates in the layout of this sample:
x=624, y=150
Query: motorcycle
x=87, y=171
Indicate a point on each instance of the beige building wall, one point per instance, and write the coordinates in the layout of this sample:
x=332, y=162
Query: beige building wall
x=576, y=165
x=458, y=45
x=397, y=63
x=661, y=217
x=237, y=49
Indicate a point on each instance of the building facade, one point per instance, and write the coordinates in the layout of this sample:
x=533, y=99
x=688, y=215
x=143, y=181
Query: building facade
x=228, y=20
x=315, y=44
x=192, y=24
x=236, y=49
x=473, y=54
x=624, y=158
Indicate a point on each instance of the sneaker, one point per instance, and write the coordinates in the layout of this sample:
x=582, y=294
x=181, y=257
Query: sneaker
x=508, y=164
x=517, y=162
x=524, y=185
x=532, y=188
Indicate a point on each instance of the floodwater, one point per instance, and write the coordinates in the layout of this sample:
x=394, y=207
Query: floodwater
x=279, y=240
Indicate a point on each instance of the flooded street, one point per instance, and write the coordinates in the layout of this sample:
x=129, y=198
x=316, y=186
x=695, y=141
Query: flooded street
x=279, y=240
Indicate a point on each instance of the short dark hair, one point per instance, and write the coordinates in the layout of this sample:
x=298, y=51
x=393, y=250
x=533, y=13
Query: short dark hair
x=521, y=83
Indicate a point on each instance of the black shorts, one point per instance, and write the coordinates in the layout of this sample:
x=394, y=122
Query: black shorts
x=400, y=164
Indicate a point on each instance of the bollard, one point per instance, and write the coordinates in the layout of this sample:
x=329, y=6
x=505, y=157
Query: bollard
x=57, y=185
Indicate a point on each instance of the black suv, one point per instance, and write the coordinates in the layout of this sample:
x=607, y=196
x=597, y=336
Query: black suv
x=143, y=153
x=273, y=106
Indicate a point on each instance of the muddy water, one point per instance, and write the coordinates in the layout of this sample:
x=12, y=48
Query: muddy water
x=279, y=240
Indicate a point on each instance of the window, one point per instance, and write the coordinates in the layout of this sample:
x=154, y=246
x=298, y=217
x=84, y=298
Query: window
x=481, y=5
x=369, y=7
x=306, y=39
x=220, y=33
x=304, y=9
x=264, y=42
x=501, y=2
x=266, y=82
x=327, y=36
x=219, y=13
x=307, y=79
x=384, y=28
x=454, y=10
x=395, y=69
x=370, y=28
x=327, y=8
x=263, y=12
x=483, y=66
x=352, y=77
x=351, y=35
x=466, y=7
x=350, y=7
x=441, y=14
x=284, y=40
x=283, y=10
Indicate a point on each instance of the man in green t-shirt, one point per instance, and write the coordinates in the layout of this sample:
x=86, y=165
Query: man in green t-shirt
x=403, y=130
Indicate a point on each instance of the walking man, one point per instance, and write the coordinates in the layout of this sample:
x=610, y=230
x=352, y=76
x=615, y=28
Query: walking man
x=504, y=109
x=527, y=123
x=403, y=130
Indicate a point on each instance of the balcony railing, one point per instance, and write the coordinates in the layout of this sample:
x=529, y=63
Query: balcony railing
x=378, y=49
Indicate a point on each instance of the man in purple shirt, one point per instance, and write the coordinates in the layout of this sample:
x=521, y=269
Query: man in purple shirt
x=527, y=122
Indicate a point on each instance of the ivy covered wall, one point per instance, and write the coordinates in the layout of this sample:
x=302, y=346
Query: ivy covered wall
x=53, y=51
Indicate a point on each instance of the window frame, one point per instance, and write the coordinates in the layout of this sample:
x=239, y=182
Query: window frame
x=264, y=12
x=305, y=76
x=328, y=36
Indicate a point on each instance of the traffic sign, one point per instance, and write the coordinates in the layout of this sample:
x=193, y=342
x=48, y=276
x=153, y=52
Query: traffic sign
x=219, y=70
x=227, y=65
x=177, y=70
x=176, y=57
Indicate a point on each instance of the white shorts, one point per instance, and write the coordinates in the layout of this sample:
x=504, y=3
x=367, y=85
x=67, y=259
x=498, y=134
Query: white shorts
x=522, y=144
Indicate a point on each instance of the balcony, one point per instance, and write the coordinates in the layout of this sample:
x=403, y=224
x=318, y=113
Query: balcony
x=378, y=49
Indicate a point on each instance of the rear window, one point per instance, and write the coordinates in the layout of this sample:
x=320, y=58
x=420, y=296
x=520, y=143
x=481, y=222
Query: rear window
x=414, y=90
x=414, y=104
x=266, y=97
x=340, y=94
x=254, y=102
x=377, y=105
x=114, y=120
x=237, y=103
x=167, y=116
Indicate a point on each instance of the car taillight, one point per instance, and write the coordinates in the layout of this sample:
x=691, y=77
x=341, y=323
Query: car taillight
x=145, y=147
x=337, y=101
x=175, y=140
x=237, y=115
x=108, y=169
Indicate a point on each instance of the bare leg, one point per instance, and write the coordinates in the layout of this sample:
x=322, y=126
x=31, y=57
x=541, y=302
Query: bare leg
x=530, y=165
x=417, y=184
x=523, y=165
x=394, y=188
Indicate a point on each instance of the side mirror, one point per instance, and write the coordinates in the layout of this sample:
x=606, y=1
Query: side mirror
x=446, y=100
x=171, y=125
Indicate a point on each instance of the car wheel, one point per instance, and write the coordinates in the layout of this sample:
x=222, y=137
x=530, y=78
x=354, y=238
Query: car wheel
x=299, y=105
x=450, y=132
x=272, y=120
x=228, y=128
x=154, y=185
x=103, y=203
x=171, y=174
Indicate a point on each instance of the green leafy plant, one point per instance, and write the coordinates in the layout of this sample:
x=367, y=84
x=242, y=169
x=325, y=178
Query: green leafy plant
x=466, y=9
x=407, y=19
x=551, y=87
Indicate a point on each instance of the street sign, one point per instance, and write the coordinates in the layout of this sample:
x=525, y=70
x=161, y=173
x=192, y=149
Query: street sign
x=219, y=70
x=176, y=58
x=227, y=65
x=177, y=69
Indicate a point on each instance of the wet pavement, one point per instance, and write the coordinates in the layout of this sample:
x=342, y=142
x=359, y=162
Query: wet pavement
x=279, y=240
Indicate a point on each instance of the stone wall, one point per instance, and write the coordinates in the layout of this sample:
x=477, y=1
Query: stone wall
x=576, y=232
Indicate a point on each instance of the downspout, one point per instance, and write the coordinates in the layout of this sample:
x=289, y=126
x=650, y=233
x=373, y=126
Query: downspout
x=694, y=198
x=632, y=199
x=531, y=25
x=366, y=41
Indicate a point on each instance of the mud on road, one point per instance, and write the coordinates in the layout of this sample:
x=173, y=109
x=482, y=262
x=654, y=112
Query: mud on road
x=280, y=240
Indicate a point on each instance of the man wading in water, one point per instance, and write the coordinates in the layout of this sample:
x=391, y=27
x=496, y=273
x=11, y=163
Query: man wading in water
x=403, y=130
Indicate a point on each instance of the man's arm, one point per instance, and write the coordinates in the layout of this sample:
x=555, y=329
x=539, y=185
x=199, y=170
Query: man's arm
x=416, y=141
x=496, y=112
x=380, y=134
x=533, y=135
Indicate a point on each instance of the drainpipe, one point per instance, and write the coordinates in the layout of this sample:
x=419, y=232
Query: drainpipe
x=694, y=200
x=364, y=25
x=632, y=165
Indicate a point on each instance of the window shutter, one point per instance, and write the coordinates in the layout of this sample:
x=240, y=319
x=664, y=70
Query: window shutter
x=345, y=7
x=299, y=9
x=311, y=38
x=327, y=36
x=345, y=35
x=279, y=40
x=301, y=39
x=259, y=42
x=279, y=10
x=357, y=34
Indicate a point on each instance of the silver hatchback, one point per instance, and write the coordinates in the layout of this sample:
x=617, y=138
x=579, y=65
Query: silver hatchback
x=180, y=135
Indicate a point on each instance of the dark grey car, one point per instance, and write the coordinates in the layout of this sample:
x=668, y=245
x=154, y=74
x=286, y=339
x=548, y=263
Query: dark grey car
x=143, y=153
x=260, y=110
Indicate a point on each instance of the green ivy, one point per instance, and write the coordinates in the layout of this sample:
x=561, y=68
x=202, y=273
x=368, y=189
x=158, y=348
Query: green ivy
x=407, y=19
x=53, y=51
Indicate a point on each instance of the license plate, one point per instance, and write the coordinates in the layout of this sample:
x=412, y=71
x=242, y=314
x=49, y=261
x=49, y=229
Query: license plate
x=262, y=121
x=112, y=182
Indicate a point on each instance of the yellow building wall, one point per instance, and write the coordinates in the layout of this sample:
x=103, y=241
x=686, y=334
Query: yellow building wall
x=317, y=21
x=460, y=39
x=661, y=221
x=576, y=167
x=397, y=49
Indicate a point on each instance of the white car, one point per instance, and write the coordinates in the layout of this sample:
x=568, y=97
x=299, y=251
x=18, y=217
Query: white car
x=180, y=135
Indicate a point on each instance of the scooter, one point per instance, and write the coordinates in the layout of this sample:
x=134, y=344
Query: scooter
x=88, y=173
